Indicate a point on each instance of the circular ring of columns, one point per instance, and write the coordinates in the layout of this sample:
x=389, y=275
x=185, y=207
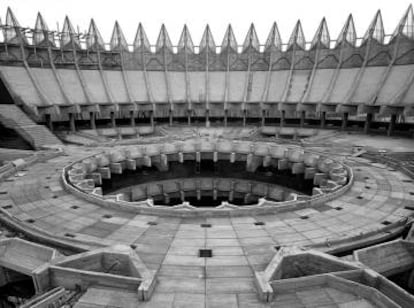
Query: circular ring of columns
x=330, y=178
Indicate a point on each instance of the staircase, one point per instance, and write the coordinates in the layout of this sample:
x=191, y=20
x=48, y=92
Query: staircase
x=14, y=118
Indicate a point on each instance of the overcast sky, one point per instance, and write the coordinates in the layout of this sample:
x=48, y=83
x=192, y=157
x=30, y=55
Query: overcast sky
x=217, y=13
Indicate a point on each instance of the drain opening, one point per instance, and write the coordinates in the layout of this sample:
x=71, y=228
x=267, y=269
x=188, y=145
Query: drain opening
x=205, y=225
x=205, y=253
x=259, y=223
x=152, y=223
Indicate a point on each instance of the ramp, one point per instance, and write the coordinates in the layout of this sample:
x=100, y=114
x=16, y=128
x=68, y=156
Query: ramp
x=11, y=116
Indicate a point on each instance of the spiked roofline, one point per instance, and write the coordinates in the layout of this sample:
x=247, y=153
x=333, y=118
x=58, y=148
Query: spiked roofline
x=13, y=33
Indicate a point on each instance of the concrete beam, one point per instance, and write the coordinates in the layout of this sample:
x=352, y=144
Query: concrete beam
x=105, y=172
x=283, y=164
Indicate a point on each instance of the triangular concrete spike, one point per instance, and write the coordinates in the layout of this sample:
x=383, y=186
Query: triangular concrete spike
x=12, y=33
x=229, y=40
x=11, y=19
x=68, y=35
x=94, y=39
x=163, y=40
x=297, y=37
x=118, y=41
x=406, y=25
x=41, y=32
x=207, y=40
x=348, y=33
x=68, y=27
x=251, y=39
x=185, y=42
x=376, y=29
x=322, y=36
x=141, y=41
x=274, y=40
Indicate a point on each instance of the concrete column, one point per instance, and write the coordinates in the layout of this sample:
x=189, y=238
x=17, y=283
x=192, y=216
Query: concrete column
x=344, y=121
x=171, y=118
x=225, y=118
x=302, y=118
x=368, y=123
x=152, y=118
x=189, y=118
x=49, y=121
x=323, y=119
x=132, y=118
x=207, y=118
x=3, y=277
x=113, y=122
x=72, y=122
x=92, y=122
x=410, y=282
x=244, y=118
x=282, y=118
x=263, y=118
x=391, y=125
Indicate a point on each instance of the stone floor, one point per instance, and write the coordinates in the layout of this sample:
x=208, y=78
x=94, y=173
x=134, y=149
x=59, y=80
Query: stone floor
x=240, y=245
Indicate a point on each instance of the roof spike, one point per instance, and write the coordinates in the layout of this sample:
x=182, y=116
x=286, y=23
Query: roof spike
x=118, y=41
x=251, y=40
x=229, y=40
x=141, y=42
x=41, y=34
x=376, y=29
x=13, y=33
x=163, y=40
x=297, y=37
x=207, y=41
x=406, y=25
x=348, y=33
x=186, y=43
x=321, y=37
x=94, y=39
x=274, y=40
x=68, y=35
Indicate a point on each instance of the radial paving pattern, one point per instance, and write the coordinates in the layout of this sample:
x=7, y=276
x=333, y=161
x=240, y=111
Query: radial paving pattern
x=377, y=204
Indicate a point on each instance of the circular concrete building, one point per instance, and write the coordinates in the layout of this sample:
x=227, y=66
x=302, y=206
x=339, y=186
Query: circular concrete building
x=275, y=175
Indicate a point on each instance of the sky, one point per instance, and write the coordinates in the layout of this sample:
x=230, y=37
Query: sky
x=217, y=13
